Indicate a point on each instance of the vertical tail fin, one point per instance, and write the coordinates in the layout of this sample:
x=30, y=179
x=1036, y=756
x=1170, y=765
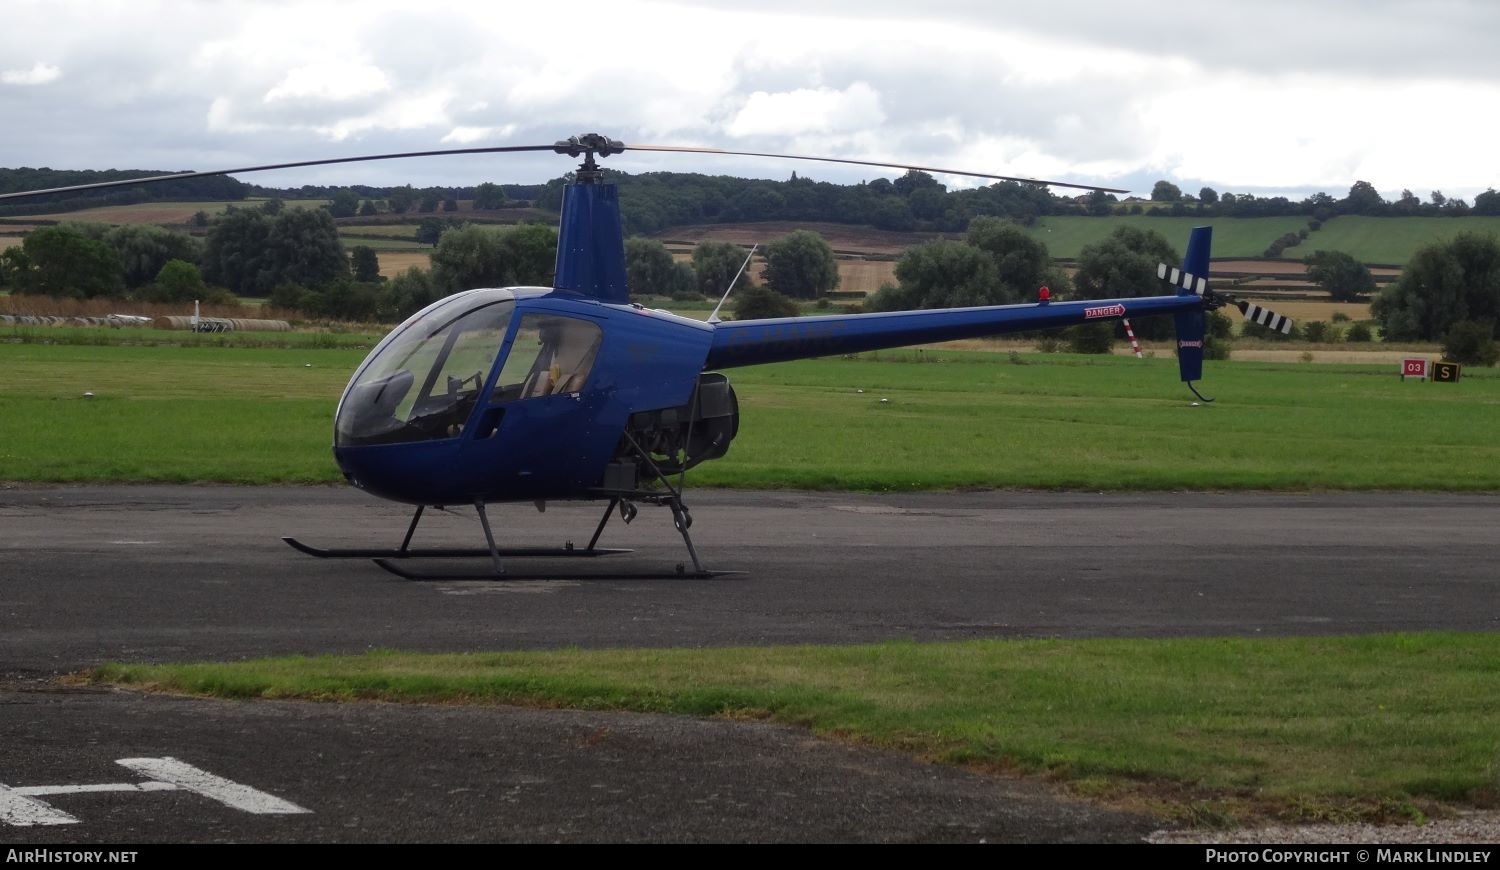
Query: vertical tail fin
x=1191, y=325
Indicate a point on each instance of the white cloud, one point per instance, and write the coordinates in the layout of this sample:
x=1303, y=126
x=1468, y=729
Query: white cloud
x=470, y=135
x=39, y=74
x=332, y=81
x=805, y=110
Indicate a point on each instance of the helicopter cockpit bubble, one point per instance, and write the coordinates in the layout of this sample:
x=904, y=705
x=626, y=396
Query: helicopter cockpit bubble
x=445, y=351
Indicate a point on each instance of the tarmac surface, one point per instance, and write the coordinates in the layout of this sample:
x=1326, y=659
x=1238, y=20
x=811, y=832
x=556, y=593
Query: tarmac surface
x=89, y=574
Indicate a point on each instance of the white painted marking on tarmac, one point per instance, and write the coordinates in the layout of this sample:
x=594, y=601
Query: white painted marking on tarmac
x=20, y=811
x=19, y=806
x=227, y=792
x=136, y=543
x=39, y=790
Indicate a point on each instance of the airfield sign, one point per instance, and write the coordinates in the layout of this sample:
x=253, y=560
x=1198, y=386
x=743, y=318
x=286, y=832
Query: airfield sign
x=1414, y=367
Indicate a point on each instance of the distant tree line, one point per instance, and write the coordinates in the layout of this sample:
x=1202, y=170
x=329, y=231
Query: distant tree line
x=190, y=189
x=916, y=201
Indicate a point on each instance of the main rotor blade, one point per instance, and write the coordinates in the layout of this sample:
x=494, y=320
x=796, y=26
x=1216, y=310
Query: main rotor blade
x=178, y=176
x=555, y=147
x=880, y=163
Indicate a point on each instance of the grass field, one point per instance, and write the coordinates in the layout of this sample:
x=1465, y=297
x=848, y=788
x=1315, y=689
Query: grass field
x=249, y=415
x=1204, y=730
x=1066, y=237
x=1388, y=240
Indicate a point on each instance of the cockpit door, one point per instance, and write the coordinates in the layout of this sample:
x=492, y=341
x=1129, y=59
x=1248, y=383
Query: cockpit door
x=538, y=422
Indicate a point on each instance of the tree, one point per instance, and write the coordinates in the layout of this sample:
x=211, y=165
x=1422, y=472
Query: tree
x=943, y=274
x=367, y=209
x=1166, y=191
x=431, y=229
x=1471, y=343
x=1101, y=203
x=1407, y=205
x=408, y=293
x=488, y=195
x=236, y=255
x=1363, y=199
x=63, y=262
x=1345, y=278
x=1487, y=202
x=715, y=264
x=485, y=256
x=365, y=264
x=401, y=199
x=649, y=268
x=1208, y=196
x=801, y=265
x=1443, y=283
x=915, y=180
x=345, y=203
x=144, y=249
x=1123, y=265
x=305, y=249
x=1022, y=264
x=251, y=253
x=178, y=281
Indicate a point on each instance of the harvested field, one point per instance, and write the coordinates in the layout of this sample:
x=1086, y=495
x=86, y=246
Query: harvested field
x=162, y=212
x=840, y=237
x=393, y=263
x=1303, y=311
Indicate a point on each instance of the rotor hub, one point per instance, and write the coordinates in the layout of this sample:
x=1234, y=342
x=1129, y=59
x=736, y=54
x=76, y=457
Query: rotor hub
x=587, y=146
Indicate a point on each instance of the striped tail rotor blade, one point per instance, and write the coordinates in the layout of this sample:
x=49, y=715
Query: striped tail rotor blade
x=1265, y=317
x=1195, y=284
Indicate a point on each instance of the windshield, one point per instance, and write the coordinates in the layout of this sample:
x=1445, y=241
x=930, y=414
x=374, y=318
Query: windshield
x=422, y=382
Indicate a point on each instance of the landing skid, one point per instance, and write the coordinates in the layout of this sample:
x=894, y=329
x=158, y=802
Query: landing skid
x=422, y=577
x=438, y=553
x=388, y=558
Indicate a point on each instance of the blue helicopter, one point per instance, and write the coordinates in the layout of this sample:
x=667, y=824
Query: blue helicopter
x=574, y=392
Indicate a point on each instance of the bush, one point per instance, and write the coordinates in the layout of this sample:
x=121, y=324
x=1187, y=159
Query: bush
x=293, y=296
x=1341, y=317
x=1360, y=332
x=1319, y=332
x=760, y=303
x=1471, y=343
x=1216, y=347
x=1255, y=330
x=1091, y=337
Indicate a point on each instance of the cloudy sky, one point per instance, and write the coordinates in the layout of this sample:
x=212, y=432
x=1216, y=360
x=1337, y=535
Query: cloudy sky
x=1269, y=96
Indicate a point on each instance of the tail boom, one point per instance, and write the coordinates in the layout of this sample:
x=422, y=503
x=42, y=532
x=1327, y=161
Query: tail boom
x=752, y=342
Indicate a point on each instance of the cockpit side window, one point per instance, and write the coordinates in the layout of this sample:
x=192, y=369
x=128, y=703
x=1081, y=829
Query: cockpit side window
x=551, y=354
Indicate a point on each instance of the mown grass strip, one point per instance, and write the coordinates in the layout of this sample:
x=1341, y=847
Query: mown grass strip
x=950, y=419
x=1294, y=725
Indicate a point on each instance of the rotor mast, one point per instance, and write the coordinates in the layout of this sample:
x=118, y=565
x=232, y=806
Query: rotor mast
x=591, y=243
